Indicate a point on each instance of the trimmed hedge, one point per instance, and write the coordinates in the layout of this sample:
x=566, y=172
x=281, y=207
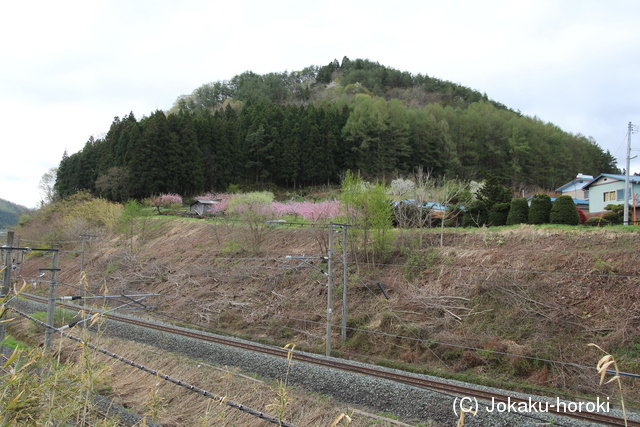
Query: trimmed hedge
x=499, y=213
x=519, y=212
x=564, y=211
x=540, y=209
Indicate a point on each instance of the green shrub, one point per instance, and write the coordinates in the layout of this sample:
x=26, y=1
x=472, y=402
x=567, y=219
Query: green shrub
x=612, y=217
x=564, y=211
x=519, y=212
x=499, y=213
x=615, y=214
x=476, y=215
x=257, y=201
x=597, y=222
x=540, y=209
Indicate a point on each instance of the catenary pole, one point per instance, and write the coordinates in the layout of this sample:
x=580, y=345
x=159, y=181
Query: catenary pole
x=329, y=290
x=344, y=282
x=6, y=282
x=52, y=298
x=83, y=279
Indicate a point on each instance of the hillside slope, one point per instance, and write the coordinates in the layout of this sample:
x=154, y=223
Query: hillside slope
x=497, y=306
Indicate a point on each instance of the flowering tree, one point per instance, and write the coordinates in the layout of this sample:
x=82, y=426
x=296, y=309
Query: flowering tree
x=222, y=198
x=263, y=203
x=310, y=211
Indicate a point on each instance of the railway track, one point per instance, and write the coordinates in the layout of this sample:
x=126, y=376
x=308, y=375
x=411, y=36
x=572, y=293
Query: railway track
x=473, y=397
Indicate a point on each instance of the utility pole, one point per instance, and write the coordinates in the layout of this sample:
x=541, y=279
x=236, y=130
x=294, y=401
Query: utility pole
x=52, y=298
x=625, y=220
x=329, y=290
x=344, y=282
x=6, y=283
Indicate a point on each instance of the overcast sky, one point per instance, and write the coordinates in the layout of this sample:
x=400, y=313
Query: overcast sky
x=67, y=68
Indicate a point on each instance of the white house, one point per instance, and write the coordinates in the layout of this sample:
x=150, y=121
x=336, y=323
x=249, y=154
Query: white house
x=608, y=189
x=576, y=189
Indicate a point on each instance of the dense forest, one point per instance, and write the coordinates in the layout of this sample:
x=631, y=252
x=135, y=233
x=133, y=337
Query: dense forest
x=308, y=127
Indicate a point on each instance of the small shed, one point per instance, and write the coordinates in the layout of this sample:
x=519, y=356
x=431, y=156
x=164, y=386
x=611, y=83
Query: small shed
x=202, y=206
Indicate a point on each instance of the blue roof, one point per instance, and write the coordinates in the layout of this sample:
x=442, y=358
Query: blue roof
x=578, y=184
x=430, y=205
x=634, y=179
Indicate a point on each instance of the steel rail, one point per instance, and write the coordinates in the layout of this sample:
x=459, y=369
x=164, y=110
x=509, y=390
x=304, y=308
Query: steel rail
x=430, y=384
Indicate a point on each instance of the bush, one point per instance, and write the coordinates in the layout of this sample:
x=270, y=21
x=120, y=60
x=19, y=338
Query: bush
x=540, y=209
x=564, y=211
x=597, y=222
x=615, y=214
x=612, y=217
x=258, y=202
x=66, y=219
x=499, y=213
x=582, y=215
x=519, y=212
x=476, y=215
x=410, y=215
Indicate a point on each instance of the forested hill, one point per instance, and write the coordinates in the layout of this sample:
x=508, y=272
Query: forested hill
x=10, y=213
x=307, y=127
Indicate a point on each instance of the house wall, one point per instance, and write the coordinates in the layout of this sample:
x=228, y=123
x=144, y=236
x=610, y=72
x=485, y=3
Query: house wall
x=614, y=189
x=576, y=194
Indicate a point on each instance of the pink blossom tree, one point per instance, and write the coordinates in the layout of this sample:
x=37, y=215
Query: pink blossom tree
x=173, y=201
x=221, y=198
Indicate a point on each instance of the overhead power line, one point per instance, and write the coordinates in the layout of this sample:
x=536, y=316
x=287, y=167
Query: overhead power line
x=205, y=393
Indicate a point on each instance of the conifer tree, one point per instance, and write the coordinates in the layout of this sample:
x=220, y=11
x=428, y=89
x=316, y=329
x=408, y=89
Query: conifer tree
x=476, y=214
x=564, y=211
x=492, y=192
x=499, y=213
x=540, y=209
x=519, y=212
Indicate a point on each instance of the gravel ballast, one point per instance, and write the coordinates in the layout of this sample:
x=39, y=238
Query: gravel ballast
x=374, y=394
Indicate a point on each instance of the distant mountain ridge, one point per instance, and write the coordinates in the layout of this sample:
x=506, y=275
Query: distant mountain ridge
x=10, y=213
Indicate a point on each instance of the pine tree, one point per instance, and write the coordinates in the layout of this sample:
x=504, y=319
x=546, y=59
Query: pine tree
x=492, y=192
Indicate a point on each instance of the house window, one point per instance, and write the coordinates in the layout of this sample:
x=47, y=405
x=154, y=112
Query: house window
x=610, y=196
x=620, y=195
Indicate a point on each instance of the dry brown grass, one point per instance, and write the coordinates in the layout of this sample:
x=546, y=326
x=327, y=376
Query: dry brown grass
x=536, y=291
